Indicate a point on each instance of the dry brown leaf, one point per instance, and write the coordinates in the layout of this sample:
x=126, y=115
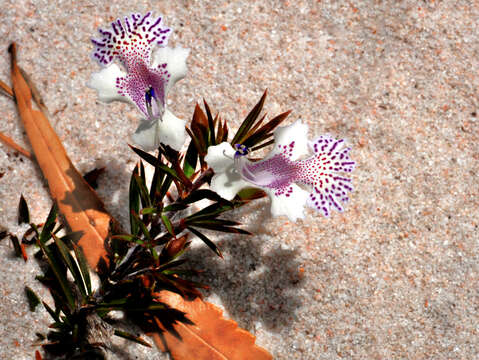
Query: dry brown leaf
x=12, y=144
x=77, y=201
x=6, y=89
x=212, y=337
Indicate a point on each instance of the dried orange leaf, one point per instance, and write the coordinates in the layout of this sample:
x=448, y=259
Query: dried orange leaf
x=77, y=201
x=211, y=337
x=12, y=144
x=6, y=89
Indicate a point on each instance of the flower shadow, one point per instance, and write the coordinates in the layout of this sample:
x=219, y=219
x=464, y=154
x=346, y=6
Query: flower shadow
x=252, y=285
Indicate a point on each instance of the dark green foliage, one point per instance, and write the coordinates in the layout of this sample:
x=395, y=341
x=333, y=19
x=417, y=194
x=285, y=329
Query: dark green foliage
x=251, y=134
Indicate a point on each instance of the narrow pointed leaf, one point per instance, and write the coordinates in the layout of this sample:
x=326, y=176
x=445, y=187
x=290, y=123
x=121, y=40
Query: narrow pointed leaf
x=142, y=227
x=71, y=264
x=207, y=241
x=82, y=261
x=150, y=159
x=52, y=313
x=7, y=90
x=16, y=245
x=61, y=277
x=49, y=225
x=13, y=145
x=256, y=126
x=266, y=130
x=260, y=146
x=172, y=264
x=131, y=337
x=222, y=228
x=134, y=197
x=199, y=125
x=175, y=207
x=166, y=221
x=219, y=132
x=248, y=194
x=222, y=222
x=204, y=194
x=249, y=120
x=211, y=125
x=191, y=159
x=144, y=194
x=196, y=141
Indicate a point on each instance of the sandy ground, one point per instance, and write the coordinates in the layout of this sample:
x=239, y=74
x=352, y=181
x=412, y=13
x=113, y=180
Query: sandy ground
x=396, y=275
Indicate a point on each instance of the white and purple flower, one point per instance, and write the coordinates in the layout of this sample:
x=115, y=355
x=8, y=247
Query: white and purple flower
x=148, y=78
x=286, y=171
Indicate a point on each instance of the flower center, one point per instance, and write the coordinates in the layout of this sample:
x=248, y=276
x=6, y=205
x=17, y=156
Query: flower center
x=151, y=102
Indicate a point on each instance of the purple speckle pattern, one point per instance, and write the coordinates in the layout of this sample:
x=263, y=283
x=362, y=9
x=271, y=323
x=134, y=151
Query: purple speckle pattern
x=131, y=43
x=321, y=172
x=130, y=40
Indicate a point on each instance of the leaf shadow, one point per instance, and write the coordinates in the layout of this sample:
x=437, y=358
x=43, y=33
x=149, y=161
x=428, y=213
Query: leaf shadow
x=253, y=285
x=112, y=187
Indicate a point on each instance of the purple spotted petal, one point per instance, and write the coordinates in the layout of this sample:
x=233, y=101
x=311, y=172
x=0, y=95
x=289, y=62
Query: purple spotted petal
x=130, y=41
x=321, y=172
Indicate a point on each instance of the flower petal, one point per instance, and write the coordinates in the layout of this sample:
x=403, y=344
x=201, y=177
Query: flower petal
x=291, y=141
x=169, y=131
x=104, y=82
x=226, y=181
x=130, y=40
x=220, y=157
x=173, y=60
x=227, y=184
x=291, y=203
x=172, y=131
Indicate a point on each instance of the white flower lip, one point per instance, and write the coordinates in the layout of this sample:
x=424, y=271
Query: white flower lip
x=226, y=181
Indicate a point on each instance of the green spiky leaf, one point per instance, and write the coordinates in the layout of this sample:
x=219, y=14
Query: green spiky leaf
x=56, y=267
x=207, y=241
x=191, y=159
x=249, y=120
x=49, y=225
x=72, y=265
x=134, y=197
x=166, y=221
x=85, y=270
x=201, y=194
